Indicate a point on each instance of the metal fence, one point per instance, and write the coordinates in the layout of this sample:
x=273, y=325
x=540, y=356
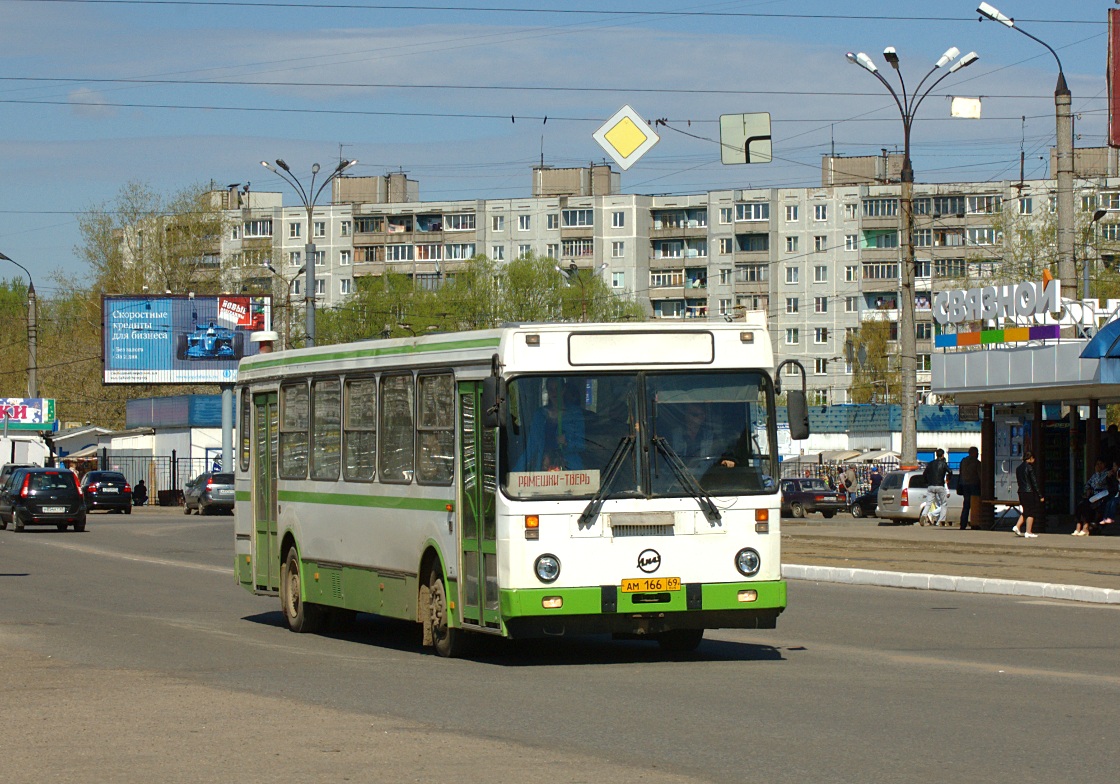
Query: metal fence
x=830, y=471
x=164, y=474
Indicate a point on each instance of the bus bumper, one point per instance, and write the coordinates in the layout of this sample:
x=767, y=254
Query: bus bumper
x=607, y=610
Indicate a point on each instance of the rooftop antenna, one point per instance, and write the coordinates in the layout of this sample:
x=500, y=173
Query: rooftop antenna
x=542, y=150
x=1022, y=153
x=832, y=139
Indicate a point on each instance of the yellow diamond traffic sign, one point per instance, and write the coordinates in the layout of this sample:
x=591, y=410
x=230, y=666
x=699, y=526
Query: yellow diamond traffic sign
x=626, y=137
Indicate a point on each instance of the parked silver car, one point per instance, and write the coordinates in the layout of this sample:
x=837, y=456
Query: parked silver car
x=209, y=493
x=903, y=492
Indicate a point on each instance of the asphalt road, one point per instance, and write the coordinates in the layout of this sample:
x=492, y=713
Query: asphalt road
x=128, y=654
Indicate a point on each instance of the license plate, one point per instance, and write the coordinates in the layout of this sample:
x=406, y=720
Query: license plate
x=54, y=510
x=108, y=489
x=644, y=584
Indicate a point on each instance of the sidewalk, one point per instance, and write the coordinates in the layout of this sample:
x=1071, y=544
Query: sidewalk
x=861, y=551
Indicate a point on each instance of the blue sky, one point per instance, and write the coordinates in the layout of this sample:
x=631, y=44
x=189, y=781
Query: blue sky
x=72, y=143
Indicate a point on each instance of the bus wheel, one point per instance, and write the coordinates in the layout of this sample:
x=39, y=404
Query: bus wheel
x=301, y=616
x=448, y=642
x=680, y=640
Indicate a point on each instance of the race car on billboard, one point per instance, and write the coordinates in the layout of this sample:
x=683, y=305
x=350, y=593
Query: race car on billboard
x=210, y=342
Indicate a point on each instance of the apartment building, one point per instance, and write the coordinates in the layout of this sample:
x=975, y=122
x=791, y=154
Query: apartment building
x=819, y=261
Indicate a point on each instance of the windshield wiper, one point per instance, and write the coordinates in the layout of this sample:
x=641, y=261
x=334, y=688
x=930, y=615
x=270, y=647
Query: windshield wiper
x=591, y=511
x=707, y=506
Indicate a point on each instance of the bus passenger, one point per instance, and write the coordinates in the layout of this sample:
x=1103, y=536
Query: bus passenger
x=556, y=436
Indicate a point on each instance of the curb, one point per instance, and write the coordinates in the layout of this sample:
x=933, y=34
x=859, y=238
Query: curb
x=942, y=582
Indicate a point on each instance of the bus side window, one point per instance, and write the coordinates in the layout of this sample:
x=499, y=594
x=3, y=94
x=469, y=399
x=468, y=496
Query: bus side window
x=293, y=430
x=436, y=464
x=359, y=437
x=398, y=432
x=326, y=430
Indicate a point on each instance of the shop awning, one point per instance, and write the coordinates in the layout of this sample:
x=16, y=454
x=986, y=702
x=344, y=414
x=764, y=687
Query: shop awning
x=1106, y=343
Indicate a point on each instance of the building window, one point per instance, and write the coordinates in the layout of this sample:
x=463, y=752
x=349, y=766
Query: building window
x=552, y=220
x=820, y=212
x=552, y=250
x=577, y=218
x=924, y=363
x=497, y=252
x=726, y=245
x=618, y=249
x=791, y=212
x=886, y=271
x=320, y=286
x=498, y=222
x=820, y=244
x=791, y=244
x=399, y=253
x=580, y=248
x=344, y=257
x=463, y=221
x=524, y=222
x=666, y=279
x=754, y=211
x=793, y=336
x=752, y=273
x=295, y=258
x=618, y=220
x=294, y=231
x=850, y=211
x=880, y=208
x=428, y=252
x=235, y=233
x=851, y=273
x=344, y=229
x=820, y=367
x=320, y=228
x=984, y=205
x=820, y=304
x=524, y=250
x=791, y=304
x=726, y=214
x=923, y=238
x=851, y=304
x=618, y=280
x=985, y=235
x=459, y=251
x=1026, y=205
x=724, y=307
x=344, y=285
x=924, y=330
x=319, y=258
x=820, y=335
x=793, y=274
x=258, y=228
x=295, y=286
x=851, y=242
x=725, y=277
x=949, y=205
x=668, y=309
x=820, y=273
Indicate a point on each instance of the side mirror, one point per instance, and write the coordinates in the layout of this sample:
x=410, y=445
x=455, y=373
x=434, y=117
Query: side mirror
x=797, y=409
x=493, y=401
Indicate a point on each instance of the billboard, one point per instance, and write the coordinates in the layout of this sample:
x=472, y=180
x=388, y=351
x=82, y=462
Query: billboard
x=28, y=413
x=1113, y=74
x=179, y=339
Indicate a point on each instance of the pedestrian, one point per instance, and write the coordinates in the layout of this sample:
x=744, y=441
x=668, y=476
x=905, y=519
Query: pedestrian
x=876, y=479
x=1030, y=496
x=140, y=494
x=968, y=482
x=937, y=473
x=851, y=481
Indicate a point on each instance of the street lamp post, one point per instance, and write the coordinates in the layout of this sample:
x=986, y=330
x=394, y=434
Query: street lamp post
x=32, y=332
x=573, y=273
x=908, y=105
x=1085, y=250
x=308, y=197
x=287, y=301
x=1064, y=127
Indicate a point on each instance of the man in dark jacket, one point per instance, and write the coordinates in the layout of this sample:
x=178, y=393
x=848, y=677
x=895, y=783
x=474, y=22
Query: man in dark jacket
x=1030, y=496
x=968, y=482
x=936, y=474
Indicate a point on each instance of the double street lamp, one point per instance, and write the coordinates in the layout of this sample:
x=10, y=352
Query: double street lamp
x=308, y=197
x=32, y=332
x=908, y=105
x=1064, y=128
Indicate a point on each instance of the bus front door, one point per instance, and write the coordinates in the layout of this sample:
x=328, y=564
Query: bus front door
x=265, y=439
x=478, y=551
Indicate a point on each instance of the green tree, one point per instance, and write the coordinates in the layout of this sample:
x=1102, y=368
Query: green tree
x=874, y=378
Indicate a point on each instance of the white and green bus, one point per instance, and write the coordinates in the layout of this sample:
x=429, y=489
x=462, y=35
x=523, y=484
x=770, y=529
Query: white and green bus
x=533, y=480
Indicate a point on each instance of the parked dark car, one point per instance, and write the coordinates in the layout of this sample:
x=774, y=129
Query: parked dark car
x=801, y=496
x=208, y=493
x=9, y=469
x=107, y=490
x=42, y=496
x=864, y=505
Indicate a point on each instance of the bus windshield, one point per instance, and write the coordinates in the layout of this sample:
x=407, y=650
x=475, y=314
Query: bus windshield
x=638, y=435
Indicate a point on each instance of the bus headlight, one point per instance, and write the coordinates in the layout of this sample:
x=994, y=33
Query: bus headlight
x=748, y=562
x=547, y=568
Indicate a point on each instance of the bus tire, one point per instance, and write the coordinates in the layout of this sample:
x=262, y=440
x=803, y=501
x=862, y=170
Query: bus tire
x=448, y=642
x=302, y=617
x=680, y=640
